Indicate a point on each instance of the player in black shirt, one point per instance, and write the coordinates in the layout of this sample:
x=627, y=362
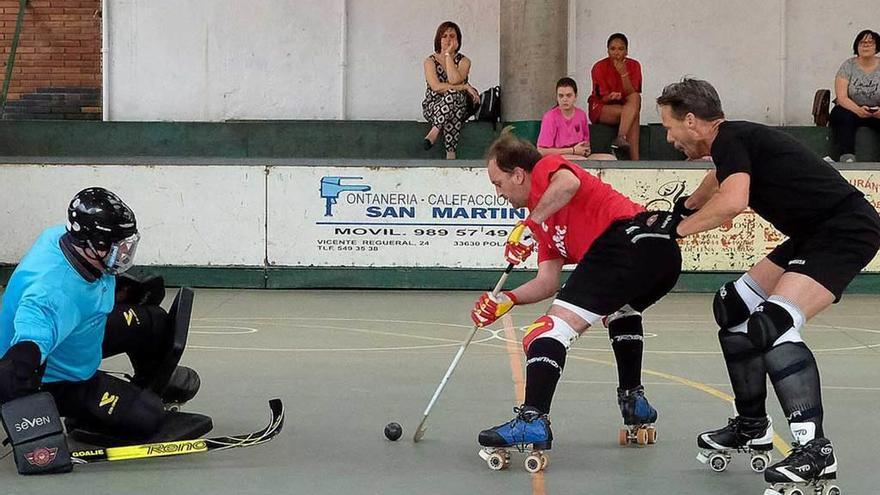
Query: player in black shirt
x=833, y=233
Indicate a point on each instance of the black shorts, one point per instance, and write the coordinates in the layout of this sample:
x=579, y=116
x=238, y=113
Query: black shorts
x=836, y=251
x=615, y=271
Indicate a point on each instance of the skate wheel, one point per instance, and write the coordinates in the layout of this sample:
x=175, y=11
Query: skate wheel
x=623, y=437
x=759, y=462
x=642, y=437
x=831, y=490
x=718, y=463
x=545, y=461
x=794, y=491
x=652, y=435
x=496, y=461
x=533, y=463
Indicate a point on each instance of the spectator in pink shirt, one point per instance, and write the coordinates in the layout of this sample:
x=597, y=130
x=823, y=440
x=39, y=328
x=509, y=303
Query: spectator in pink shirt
x=565, y=129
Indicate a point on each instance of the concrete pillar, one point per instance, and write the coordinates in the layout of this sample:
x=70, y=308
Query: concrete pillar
x=534, y=43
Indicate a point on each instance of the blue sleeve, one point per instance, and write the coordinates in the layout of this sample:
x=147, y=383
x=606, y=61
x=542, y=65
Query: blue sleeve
x=43, y=320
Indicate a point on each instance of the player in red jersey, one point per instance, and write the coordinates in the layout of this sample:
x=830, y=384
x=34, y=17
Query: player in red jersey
x=622, y=269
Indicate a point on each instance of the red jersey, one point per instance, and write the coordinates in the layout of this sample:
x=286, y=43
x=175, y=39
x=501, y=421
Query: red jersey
x=607, y=80
x=570, y=232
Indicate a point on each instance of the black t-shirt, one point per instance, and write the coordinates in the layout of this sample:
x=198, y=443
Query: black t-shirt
x=791, y=187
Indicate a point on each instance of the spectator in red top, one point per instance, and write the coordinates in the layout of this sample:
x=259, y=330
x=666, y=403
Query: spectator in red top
x=616, y=98
x=621, y=271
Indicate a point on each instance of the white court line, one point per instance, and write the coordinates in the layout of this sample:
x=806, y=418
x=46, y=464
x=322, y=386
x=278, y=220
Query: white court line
x=244, y=330
x=495, y=335
x=352, y=349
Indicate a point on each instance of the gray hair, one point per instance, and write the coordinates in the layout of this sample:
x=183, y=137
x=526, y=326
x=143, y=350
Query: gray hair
x=692, y=96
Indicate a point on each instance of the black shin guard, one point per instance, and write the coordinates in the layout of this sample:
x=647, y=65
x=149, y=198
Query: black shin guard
x=795, y=377
x=748, y=375
x=626, y=336
x=545, y=361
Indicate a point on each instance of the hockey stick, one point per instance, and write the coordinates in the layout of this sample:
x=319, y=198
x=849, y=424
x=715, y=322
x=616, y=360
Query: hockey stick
x=420, y=431
x=184, y=447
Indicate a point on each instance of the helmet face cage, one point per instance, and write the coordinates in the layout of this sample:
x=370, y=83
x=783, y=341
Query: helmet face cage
x=121, y=255
x=98, y=220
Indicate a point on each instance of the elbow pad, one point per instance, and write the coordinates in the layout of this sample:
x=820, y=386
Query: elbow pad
x=20, y=371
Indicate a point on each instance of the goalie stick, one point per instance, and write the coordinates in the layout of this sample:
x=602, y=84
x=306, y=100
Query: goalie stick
x=184, y=447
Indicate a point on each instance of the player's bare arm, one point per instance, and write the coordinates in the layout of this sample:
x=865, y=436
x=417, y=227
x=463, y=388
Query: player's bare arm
x=544, y=285
x=730, y=200
x=563, y=186
x=707, y=188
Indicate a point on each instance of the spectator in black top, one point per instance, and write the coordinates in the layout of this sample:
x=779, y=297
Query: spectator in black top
x=833, y=233
x=857, y=89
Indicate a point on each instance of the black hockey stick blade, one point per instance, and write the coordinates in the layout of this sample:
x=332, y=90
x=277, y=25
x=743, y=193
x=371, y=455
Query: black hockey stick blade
x=183, y=447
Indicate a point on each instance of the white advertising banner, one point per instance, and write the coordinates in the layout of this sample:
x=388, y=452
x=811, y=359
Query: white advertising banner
x=451, y=217
x=386, y=216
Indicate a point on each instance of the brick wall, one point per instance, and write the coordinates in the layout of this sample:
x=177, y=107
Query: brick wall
x=57, y=69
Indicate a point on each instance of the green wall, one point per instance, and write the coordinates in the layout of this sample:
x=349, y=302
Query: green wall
x=318, y=139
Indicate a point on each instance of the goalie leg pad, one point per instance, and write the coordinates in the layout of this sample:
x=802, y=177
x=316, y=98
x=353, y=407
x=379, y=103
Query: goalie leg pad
x=110, y=406
x=37, y=435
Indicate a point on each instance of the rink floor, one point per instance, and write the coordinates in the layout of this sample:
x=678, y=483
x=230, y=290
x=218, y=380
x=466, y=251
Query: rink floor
x=348, y=362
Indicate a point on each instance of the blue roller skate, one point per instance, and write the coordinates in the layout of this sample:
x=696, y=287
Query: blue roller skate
x=528, y=431
x=638, y=418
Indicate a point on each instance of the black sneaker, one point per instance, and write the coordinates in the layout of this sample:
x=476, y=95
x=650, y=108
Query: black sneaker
x=740, y=433
x=620, y=148
x=808, y=463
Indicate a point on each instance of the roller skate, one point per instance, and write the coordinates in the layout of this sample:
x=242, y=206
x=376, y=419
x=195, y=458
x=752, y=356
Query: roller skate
x=529, y=432
x=808, y=470
x=638, y=418
x=752, y=436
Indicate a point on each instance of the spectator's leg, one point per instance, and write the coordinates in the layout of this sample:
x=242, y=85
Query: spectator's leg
x=432, y=134
x=629, y=123
x=454, y=121
x=610, y=114
x=843, y=128
x=432, y=113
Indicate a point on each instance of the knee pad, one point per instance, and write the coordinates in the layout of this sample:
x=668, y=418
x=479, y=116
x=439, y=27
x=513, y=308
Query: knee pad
x=625, y=324
x=767, y=324
x=552, y=327
x=729, y=307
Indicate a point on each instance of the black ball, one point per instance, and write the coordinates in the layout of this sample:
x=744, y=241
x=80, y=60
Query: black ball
x=393, y=431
